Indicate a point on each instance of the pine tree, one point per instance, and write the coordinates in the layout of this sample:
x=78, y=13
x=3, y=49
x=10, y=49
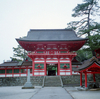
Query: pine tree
x=87, y=26
x=19, y=54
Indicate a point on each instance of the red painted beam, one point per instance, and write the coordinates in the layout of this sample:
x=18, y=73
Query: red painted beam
x=70, y=45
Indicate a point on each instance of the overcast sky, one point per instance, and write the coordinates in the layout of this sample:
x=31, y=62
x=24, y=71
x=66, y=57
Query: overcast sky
x=17, y=17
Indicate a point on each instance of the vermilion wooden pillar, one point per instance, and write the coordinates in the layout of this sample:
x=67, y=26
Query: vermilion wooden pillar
x=13, y=72
x=85, y=80
x=45, y=67
x=58, y=66
x=94, y=78
x=5, y=71
x=33, y=65
x=70, y=67
x=19, y=71
x=81, y=79
x=27, y=70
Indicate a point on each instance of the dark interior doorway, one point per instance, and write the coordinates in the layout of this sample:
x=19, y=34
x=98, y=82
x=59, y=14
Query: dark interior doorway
x=51, y=69
x=51, y=72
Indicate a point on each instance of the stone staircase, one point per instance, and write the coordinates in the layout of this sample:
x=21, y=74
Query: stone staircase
x=52, y=81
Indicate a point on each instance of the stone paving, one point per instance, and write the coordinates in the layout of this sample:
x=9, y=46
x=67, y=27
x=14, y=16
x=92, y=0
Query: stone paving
x=52, y=93
x=82, y=94
x=15, y=92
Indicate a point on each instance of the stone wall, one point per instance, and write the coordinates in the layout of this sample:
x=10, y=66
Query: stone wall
x=20, y=81
x=72, y=80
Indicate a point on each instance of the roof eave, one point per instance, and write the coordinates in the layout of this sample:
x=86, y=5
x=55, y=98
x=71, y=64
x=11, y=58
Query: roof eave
x=49, y=40
x=79, y=70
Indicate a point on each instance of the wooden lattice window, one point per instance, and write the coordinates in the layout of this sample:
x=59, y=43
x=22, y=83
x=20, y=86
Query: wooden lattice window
x=16, y=70
x=65, y=66
x=63, y=51
x=39, y=51
x=9, y=70
x=2, y=71
x=39, y=66
x=23, y=70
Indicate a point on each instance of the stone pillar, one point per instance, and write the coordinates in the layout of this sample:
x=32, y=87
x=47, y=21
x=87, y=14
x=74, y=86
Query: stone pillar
x=28, y=84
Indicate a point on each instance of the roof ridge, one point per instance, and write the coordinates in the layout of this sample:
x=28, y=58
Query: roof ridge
x=51, y=29
x=93, y=58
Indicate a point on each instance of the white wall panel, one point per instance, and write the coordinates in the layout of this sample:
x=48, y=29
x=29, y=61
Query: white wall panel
x=16, y=75
x=64, y=61
x=62, y=73
x=36, y=73
x=2, y=75
x=42, y=73
x=38, y=61
x=8, y=75
x=23, y=74
x=67, y=73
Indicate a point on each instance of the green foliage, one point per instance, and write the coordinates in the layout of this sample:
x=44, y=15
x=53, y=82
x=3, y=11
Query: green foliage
x=84, y=8
x=87, y=27
x=94, y=41
x=89, y=7
x=19, y=54
x=94, y=28
x=83, y=54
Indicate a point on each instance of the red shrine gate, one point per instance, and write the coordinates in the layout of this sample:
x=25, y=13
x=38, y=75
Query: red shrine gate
x=51, y=50
x=60, y=63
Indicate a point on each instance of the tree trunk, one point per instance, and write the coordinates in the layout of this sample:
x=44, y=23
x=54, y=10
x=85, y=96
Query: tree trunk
x=89, y=22
x=24, y=55
x=93, y=53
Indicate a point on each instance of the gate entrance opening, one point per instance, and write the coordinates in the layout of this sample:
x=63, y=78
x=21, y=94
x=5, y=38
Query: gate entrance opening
x=52, y=69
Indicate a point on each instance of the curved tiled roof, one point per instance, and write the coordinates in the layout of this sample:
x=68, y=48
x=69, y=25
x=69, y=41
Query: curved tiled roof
x=9, y=64
x=88, y=63
x=51, y=35
x=15, y=63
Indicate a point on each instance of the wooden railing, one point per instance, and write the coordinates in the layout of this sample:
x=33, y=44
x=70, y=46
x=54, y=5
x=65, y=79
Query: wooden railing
x=52, y=53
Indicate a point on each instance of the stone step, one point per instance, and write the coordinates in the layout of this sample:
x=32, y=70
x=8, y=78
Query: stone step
x=52, y=84
x=52, y=81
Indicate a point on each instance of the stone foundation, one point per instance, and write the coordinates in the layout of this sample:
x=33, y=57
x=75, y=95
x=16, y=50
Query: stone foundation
x=20, y=81
x=71, y=80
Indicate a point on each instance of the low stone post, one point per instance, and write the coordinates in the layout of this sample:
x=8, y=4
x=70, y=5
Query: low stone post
x=28, y=84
